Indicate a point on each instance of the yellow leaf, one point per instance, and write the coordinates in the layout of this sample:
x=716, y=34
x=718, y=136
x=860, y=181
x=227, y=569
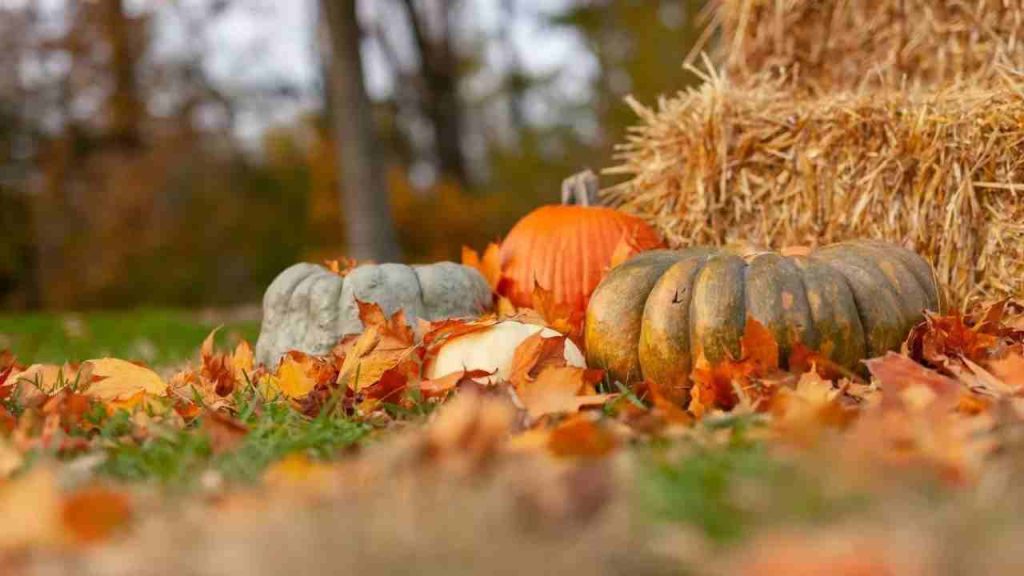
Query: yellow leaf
x=560, y=389
x=31, y=509
x=120, y=380
x=242, y=360
x=292, y=379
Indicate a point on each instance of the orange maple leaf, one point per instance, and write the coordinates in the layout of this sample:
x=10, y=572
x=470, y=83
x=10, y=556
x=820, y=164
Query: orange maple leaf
x=225, y=432
x=560, y=316
x=95, y=513
x=561, y=389
x=440, y=386
x=489, y=265
x=715, y=385
x=579, y=435
x=383, y=358
x=899, y=374
x=534, y=355
x=342, y=266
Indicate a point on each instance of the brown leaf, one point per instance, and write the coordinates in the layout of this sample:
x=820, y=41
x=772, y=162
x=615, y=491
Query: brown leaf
x=759, y=348
x=898, y=375
x=31, y=508
x=560, y=316
x=386, y=346
x=116, y=380
x=225, y=432
x=1010, y=369
x=489, y=265
x=579, y=435
x=560, y=389
x=441, y=386
x=341, y=266
x=801, y=413
x=534, y=355
x=469, y=430
x=717, y=385
x=95, y=513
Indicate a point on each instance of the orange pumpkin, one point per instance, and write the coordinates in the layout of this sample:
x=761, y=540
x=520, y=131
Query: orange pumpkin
x=568, y=249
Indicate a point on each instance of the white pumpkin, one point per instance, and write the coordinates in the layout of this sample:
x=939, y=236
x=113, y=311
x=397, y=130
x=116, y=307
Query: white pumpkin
x=492, y=350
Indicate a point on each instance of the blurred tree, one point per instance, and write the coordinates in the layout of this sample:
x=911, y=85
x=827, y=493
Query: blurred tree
x=439, y=71
x=371, y=233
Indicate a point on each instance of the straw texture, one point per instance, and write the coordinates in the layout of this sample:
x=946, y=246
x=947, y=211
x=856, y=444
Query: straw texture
x=941, y=172
x=828, y=45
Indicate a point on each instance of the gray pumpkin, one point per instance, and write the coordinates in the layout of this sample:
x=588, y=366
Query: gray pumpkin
x=310, y=308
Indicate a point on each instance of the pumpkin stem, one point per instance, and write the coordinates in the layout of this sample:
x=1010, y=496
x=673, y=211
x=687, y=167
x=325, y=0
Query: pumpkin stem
x=580, y=188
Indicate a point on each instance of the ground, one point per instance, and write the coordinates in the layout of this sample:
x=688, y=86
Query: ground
x=916, y=472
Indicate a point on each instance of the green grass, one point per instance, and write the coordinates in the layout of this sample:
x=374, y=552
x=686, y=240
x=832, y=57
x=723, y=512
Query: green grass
x=177, y=458
x=157, y=336
x=726, y=491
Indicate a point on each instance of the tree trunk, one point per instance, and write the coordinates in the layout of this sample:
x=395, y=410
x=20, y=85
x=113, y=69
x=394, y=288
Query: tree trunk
x=441, y=88
x=125, y=105
x=364, y=193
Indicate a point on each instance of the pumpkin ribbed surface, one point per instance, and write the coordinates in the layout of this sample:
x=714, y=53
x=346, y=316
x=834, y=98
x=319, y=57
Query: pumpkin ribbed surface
x=567, y=250
x=662, y=313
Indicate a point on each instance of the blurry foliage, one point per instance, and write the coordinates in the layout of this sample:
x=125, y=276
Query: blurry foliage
x=118, y=205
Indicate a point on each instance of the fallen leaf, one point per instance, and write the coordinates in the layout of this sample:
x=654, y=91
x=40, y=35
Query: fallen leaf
x=559, y=316
x=560, y=389
x=469, y=430
x=30, y=506
x=292, y=379
x=801, y=413
x=441, y=386
x=225, y=432
x=386, y=345
x=119, y=380
x=722, y=385
x=299, y=471
x=342, y=266
x=95, y=513
x=534, y=354
x=489, y=265
x=578, y=436
x=1010, y=369
x=899, y=375
x=242, y=361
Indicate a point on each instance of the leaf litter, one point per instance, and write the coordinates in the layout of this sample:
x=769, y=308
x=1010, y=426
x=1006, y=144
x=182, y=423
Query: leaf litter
x=551, y=436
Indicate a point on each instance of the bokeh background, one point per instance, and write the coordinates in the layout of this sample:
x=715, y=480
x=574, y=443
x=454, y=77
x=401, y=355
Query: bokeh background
x=180, y=153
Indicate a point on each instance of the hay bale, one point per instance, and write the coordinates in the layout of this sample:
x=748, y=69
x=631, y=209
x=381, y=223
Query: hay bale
x=942, y=173
x=823, y=45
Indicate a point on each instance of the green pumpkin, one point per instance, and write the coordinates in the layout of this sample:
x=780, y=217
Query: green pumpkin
x=659, y=314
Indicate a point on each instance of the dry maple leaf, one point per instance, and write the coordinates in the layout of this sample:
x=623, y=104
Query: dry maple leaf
x=341, y=266
x=439, y=387
x=216, y=370
x=294, y=380
x=489, y=265
x=115, y=380
x=560, y=316
x=437, y=334
x=95, y=513
x=561, y=389
x=899, y=376
x=1010, y=369
x=723, y=384
x=800, y=413
x=225, y=432
x=469, y=430
x=30, y=505
x=534, y=355
x=580, y=435
x=944, y=341
x=383, y=358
